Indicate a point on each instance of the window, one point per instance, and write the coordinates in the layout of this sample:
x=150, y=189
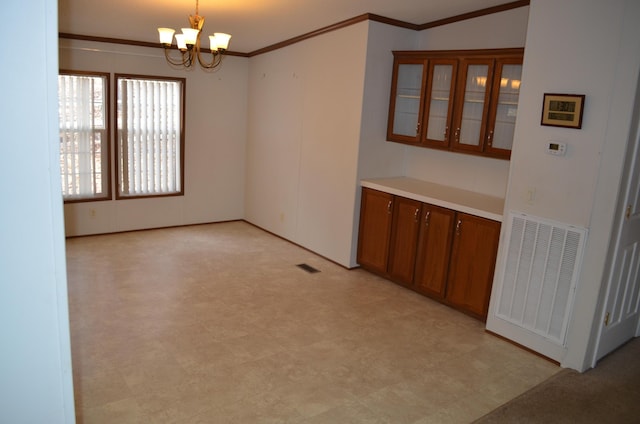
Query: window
x=150, y=140
x=84, y=137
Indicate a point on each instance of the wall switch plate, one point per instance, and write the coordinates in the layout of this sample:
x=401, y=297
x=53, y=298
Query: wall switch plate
x=557, y=148
x=530, y=195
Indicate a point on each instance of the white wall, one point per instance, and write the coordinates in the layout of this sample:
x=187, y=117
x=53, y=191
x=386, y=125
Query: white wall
x=495, y=31
x=291, y=88
x=586, y=60
x=378, y=158
x=215, y=137
x=304, y=128
x=301, y=174
x=483, y=175
x=35, y=357
x=586, y=47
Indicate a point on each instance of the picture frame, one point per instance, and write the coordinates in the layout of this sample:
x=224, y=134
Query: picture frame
x=562, y=110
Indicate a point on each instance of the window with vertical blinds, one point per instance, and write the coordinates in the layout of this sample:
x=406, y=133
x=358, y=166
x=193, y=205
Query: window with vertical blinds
x=150, y=136
x=84, y=137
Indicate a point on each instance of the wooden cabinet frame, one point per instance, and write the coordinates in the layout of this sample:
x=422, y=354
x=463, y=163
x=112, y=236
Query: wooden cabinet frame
x=447, y=133
x=444, y=254
x=460, y=60
x=395, y=95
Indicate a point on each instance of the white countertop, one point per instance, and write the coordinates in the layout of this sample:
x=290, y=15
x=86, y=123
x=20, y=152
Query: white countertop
x=470, y=202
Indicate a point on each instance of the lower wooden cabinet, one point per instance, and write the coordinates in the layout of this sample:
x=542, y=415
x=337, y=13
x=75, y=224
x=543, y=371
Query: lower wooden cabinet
x=376, y=211
x=473, y=258
x=404, y=235
x=447, y=255
x=434, y=251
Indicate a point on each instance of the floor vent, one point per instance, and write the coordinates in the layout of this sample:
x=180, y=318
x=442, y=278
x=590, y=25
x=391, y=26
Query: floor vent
x=308, y=268
x=539, y=275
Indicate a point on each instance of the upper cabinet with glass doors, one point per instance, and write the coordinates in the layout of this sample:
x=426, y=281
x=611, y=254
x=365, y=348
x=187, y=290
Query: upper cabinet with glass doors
x=405, y=112
x=502, y=115
x=439, y=105
x=471, y=110
x=468, y=101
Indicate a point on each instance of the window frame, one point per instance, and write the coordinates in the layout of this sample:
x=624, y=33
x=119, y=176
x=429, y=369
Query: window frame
x=106, y=143
x=117, y=144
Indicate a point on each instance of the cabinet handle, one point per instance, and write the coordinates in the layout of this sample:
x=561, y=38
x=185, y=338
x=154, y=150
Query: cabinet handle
x=389, y=206
x=458, y=227
x=457, y=135
x=418, y=128
x=426, y=219
x=446, y=132
x=415, y=215
x=489, y=138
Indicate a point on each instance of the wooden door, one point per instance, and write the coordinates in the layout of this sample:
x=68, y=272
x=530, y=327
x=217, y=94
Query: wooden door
x=407, y=100
x=472, y=104
x=473, y=259
x=434, y=250
x=438, y=108
x=504, y=107
x=404, y=238
x=375, y=229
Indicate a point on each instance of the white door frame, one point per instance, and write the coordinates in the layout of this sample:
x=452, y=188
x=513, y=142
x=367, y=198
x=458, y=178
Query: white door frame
x=627, y=210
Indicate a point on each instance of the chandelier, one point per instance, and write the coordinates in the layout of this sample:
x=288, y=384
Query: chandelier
x=189, y=44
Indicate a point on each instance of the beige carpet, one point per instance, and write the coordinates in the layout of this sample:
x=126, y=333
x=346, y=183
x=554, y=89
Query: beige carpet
x=609, y=393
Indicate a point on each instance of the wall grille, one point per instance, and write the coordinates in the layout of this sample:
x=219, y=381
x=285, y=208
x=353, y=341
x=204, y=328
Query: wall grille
x=540, y=275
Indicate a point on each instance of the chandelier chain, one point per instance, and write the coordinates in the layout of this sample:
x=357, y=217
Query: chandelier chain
x=197, y=2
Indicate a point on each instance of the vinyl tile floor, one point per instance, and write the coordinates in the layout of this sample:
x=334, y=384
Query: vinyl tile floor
x=217, y=324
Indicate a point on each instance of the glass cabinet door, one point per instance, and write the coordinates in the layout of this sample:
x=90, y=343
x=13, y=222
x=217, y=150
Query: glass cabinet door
x=472, y=111
x=502, y=121
x=439, y=108
x=406, y=102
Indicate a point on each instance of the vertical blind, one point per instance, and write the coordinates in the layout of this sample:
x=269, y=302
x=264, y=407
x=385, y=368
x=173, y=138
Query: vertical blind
x=149, y=136
x=82, y=134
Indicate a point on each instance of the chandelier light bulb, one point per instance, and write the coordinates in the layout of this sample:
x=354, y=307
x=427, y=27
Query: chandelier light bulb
x=190, y=36
x=220, y=40
x=166, y=35
x=182, y=44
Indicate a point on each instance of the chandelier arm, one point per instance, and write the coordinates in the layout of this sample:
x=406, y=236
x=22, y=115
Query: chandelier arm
x=184, y=61
x=215, y=61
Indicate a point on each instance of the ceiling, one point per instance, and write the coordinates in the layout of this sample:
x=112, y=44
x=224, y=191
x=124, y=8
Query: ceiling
x=253, y=24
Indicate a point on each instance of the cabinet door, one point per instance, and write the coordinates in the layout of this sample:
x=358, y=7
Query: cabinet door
x=472, y=104
x=473, y=257
x=404, y=237
x=405, y=108
x=434, y=250
x=375, y=229
x=439, y=106
x=504, y=107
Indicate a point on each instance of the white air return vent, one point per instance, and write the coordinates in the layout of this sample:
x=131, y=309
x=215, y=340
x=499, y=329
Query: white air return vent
x=540, y=274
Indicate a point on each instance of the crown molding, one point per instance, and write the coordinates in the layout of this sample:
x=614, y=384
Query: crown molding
x=324, y=30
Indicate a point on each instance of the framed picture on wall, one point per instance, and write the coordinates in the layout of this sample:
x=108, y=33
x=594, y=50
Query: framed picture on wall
x=562, y=110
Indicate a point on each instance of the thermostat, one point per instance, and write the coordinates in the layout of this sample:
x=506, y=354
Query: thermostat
x=557, y=148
